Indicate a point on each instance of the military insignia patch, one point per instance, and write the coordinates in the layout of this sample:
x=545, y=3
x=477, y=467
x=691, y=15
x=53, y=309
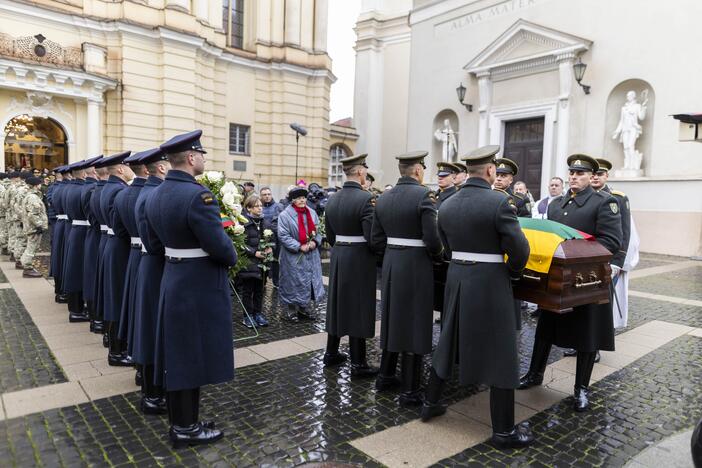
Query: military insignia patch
x=614, y=207
x=207, y=198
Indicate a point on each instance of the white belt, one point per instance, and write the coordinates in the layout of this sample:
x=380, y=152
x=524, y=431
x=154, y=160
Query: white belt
x=103, y=227
x=477, y=257
x=351, y=239
x=406, y=242
x=110, y=231
x=80, y=222
x=186, y=253
x=62, y=217
x=135, y=241
x=143, y=249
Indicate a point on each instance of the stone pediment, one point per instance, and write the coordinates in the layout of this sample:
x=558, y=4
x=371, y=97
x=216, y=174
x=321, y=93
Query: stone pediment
x=526, y=48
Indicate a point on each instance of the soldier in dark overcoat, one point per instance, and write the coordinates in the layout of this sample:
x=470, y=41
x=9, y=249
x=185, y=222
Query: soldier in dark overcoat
x=98, y=325
x=73, y=186
x=194, y=338
x=125, y=218
x=115, y=257
x=148, y=283
x=351, y=301
x=507, y=170
x=599, y=183
x=56, y=266
x=404, y=229
x=89, y=198
x=446, y=177
x=478, y=227
x=587, y=328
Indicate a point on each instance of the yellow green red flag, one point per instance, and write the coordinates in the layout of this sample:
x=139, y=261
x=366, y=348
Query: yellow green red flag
x=544, y=237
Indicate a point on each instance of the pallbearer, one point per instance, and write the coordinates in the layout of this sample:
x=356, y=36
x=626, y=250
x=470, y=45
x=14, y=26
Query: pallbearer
x=351, y=303
x=479, y=227
x=194, y=338
x=506, y=171
x=404, y=228
x=97, y=323
x=446, y=178
x=115, y=256
x=92, y=236
x=56, y=266
x=148, y=283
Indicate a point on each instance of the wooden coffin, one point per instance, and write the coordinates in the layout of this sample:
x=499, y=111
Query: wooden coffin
x=579, y=274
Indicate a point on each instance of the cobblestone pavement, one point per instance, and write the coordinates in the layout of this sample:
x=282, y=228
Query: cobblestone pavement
x=25, y=358
x=682, y=283
x=292, y=411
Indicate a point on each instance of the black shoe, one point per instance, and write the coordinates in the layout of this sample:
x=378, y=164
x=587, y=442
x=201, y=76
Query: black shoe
x=520, y=436
x=18, y=265
x=432, y=410
x=12, y=257
x=334, y=359
x=196, y=434
x=363, y=370
x=119, y=360
x=580, y=399
x=30, y=273
x=61, y=298
x=570, y=352
x=597, y=356
x=153, y=405
x=411, y=399
x=304, y=315
x=384, y=383
x=530, y=379
x=106, y=340
x=138, y=377
x=247, y=322
x=98, y=326
x=73, y=318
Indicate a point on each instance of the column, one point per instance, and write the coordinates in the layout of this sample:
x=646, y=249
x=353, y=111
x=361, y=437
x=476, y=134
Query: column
x=321, y=20
x=201, y=10
x=263, y=21
x=94, y=127
x=292, y=22
x=565, y=75
x=485, y=98
x=277, y=21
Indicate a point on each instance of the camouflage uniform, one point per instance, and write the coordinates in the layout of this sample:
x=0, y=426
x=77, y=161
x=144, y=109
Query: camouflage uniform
x=18, y=207
x=3, y=214
x=34, y=222
x=10, y=215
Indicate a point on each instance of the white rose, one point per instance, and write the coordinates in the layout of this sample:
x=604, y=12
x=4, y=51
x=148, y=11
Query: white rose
x=236, y=209
x=214, y=176
x=229, y=200
x=238, y=229
x=267, y=233
x=229, y=187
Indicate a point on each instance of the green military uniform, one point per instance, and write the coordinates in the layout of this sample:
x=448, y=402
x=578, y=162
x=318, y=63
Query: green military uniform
x=4, y=184
x=18, y=207
x=507, y=166
x=10, y=215
x=624, y=212
x=440, y=268
x=34, y=223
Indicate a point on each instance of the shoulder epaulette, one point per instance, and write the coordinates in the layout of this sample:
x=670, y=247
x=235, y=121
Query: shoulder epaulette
x=618, y=193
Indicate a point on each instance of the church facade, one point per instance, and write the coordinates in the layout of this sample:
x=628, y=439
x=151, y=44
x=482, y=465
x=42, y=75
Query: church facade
x=80, y=78
x=543, y=79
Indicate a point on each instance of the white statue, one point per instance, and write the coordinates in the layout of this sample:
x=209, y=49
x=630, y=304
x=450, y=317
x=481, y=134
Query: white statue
x=447, y=137
x=629, y=130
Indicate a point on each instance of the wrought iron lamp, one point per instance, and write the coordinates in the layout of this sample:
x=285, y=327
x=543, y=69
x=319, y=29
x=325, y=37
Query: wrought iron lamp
x=461, y=92
x=579, y=71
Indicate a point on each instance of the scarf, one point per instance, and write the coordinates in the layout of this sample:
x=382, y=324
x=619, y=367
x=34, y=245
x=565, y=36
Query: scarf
x=302, y=236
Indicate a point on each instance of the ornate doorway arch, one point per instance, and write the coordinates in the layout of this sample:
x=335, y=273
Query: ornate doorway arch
x=34, y=141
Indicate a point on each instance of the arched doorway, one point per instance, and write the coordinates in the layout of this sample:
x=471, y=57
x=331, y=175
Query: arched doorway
x=35, y=142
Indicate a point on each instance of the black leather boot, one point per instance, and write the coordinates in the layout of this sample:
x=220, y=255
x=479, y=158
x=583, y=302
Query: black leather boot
x=61, y=298
x=138, y=376
x=359, y=365
x=183, y=410
x=152, y=399
x=332, y=356
x=539, y=358
x=431, y=407
x=117, y=355
x=411, y=380
x=504, y=433
x=386, y=379
x=583, y=370
x=75, y=308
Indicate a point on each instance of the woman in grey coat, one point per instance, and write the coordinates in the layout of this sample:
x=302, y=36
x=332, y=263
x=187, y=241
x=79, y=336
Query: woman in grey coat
x=300, y=265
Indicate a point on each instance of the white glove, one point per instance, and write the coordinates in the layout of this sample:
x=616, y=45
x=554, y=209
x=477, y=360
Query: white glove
x=615, y=270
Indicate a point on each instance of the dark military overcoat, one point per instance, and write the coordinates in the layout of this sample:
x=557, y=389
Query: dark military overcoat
x=351, y=291
x=408, y=211
x=589, y=327
x=478, y=323
x=625, y=214
x=148, y=282
x=66, y=194
x=441, y=268
x=96, y=212
x=56, y=264
x=124, y=209
x=194, y=340
x=116, y=254
x=75, y=241
x=92, y=241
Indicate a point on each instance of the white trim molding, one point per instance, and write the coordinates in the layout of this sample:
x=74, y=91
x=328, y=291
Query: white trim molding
x=499, y=116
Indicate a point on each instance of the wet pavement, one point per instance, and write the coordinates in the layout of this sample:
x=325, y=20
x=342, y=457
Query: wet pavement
x=292, y=411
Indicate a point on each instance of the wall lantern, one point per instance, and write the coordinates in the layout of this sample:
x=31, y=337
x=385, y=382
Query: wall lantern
x=579, y=71
x=461, y=92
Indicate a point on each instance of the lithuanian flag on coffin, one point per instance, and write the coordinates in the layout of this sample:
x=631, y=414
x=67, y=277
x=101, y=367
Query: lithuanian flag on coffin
x=226, y=220
x=544, y=237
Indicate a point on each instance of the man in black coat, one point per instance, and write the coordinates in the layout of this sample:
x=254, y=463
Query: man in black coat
x=478, y=226
x=506, y=171
x=404, y=228
x=446, y=177
x=351, y=301
x=587, y=328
